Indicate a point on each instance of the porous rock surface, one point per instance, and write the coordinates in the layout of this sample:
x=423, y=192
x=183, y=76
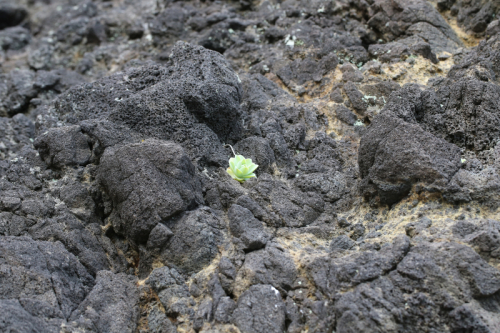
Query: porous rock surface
x=375, y=125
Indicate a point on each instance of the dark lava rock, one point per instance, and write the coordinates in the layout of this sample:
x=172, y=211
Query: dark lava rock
x=418, y=18
x=356, y=98
x=426, y=264
x=157, y=170
x=15, y=318
x=414, y=228
x=291, y=207
x=16, y=90
x=301, y=71
x=260, y=309
x=15, y=38
x=171, y=289
x=117, y=213
x=483, y=235
x=112, y=305
x=272, y=265
x=395, y=152
x=473, y=16
x=402, y=49
x=158, y=322
x=341, y=243
x=334, y=274
x=162, y=278
x=196, y=97
x=245, y=226
x=15, y=133
x=437, y=116
x=159, y=236
x=406, y=155
x=44, y=272
x=41, y=58
x=225, y=310
x=197, y=235
x=346, y=115
x=259, y=151
x=168, y=24
x=351, y=73
x=64, y=146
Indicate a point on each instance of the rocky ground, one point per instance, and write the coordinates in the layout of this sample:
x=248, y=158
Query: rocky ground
x=375, y=125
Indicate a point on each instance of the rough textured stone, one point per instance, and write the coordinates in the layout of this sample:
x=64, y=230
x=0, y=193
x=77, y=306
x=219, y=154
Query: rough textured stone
x=271, y=265
x=376, y=132
x=112, y=305
x=45, y=272
x=244, y=225
x=419, y=18
x=159, y=171
x=197, y=235
x=395, y=152
x=186, y=105
x=66, y=146
x=260, y=309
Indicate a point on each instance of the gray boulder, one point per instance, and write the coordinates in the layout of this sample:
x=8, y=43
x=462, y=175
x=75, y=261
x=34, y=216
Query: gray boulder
x=245, y=226
x=419, y=18
x=44, y=272
x=272, y=265
x=260, y=310
x=14, y=318
x=112, y=305
x=259, y=151
x=172, y=290
x=148, y=183
x=64, y=146
x=197, y=235
x=396, y=152
x=196, y=102
x=11, y=14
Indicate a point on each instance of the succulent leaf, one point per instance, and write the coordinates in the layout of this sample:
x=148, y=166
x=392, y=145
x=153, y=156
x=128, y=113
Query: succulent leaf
x=241, y=169
x=253, y=168
x=232, y=164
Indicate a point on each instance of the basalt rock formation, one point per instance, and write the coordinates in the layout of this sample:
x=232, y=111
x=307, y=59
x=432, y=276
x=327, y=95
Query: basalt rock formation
x=375, y=125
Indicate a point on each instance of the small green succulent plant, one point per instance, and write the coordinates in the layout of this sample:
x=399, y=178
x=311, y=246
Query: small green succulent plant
x=241, y=168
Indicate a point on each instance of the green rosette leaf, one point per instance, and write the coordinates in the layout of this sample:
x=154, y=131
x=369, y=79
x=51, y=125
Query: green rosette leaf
x=241, y=168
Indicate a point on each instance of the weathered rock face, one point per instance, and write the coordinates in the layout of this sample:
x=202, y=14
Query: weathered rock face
x=271, y=265
x=245, y=226
x=375, y=126
x=260, y=309
x=46, y=272
x=195, y=242
x=420, y=134
x=418, y=18
x=112, y=305
x=474, y=15
x=395, y=152
x=474, y=284
x=156, y=170
x=196, y=97
x=65, y=146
